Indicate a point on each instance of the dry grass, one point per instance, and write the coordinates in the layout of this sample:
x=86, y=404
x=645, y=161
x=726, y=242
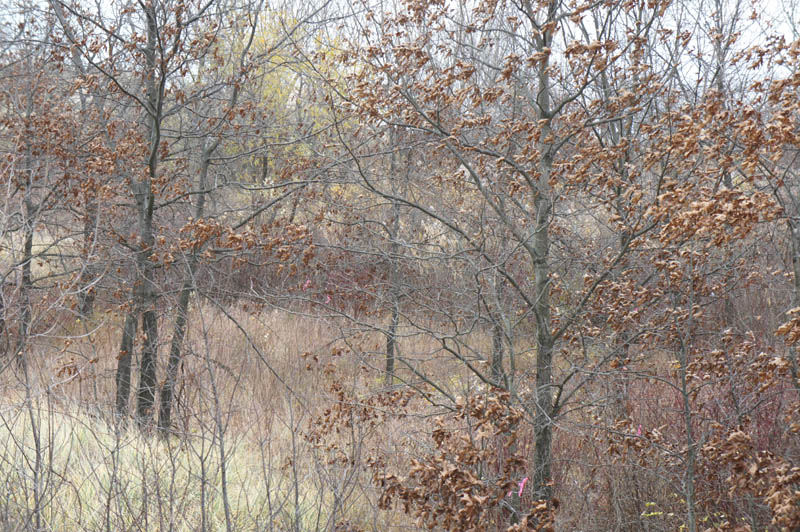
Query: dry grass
x=87, y=475
x=251, y=387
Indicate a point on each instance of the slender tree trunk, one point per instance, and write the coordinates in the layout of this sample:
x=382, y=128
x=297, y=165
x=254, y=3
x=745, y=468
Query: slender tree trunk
x=543, y=418
x=498, y=374
x=123, y=377
x=394, y=269
x=27, y=259
x=394, y=279
x=146, y=393
x=794, y=234
x=145, y=200
x=691, y=444
x=175, y=356
x=87, y=293
x=26, y=288
x=179, y=331
x=25, y=330
x=542, y=426
x=391, y=338
x=146, y=296
x=497, y=353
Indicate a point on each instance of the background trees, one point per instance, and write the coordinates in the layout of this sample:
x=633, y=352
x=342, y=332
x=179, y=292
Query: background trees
x=513, y=265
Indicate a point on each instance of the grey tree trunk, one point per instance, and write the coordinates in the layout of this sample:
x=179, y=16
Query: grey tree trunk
x=543, y=417
x=794, y=233
x=175, y=356
x=145, y=200
x=394, y=295
x=146, y=392
x=124, y=363
x=497, y=353
x=691, y=442
x=394, y=268
x=87, y=293
x=26, y=287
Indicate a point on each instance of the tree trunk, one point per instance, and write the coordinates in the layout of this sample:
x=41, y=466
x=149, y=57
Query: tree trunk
x=391, y=338
x=691, y=443
x=175, y=356
x=794, y=234
x=87, y=293
x=543, y=417
x=27, y=253
x=497, y=354
x=123, y=377
x=145, y=200
x=394, y=274
x=146, y=393
x=394, y=268
x=27, y=280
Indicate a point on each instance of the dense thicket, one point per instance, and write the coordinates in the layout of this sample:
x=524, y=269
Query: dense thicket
x=509, y=265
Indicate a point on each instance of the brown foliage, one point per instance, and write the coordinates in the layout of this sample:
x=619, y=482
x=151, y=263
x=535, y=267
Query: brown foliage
x=468, y=483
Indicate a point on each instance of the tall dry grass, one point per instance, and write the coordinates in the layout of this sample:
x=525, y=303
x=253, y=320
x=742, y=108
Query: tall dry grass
x=252, y=385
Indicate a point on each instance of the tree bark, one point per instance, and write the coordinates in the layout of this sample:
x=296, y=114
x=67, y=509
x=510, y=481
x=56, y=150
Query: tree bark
x=394, y=268
x=123, y=377
x=391, y=338
x=146, y=393
x=497, y=354
x=87, y=293
x=394, y=295
x=542, y=423
x=794, y=234
x=145, y=200
x=27, y=277
x=543, y=417
x=175, y=357
x=26, y=287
